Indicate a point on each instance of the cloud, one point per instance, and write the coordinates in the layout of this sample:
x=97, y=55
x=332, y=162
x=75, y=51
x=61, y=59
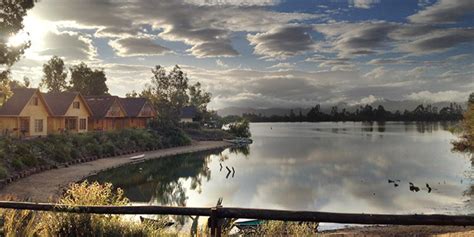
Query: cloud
x=444, y=11
x=126, y=47
x=221, y=63
x=440, y=96
x=377, y=73
x=283, y=66
x=70, y=45
x=363, y=3
x=282, y=42
x=233, y=2
x=357, y=38
x=440, y=40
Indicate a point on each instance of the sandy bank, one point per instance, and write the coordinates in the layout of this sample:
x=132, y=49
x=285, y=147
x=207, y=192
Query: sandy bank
x=43, y=186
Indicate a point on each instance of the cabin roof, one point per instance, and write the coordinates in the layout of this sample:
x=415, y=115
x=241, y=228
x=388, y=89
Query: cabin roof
x=15, y=104
x=188, y=112
x=133, y=106
x=59, y=102
x=99, y=105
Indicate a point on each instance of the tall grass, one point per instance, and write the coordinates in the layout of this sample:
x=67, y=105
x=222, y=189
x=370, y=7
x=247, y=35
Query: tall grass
x=29, y=223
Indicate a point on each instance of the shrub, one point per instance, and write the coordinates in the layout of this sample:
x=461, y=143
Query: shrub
x=240, y=129
x=3, y=172
x=28, y=223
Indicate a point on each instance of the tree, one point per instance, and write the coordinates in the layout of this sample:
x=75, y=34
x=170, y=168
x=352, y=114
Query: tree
x=88, y=81
x=132, y=94
x=470, y=101
x=167, y=91
x=26, y=82
x=54, y=78
x=11, y=15
x=198, y=97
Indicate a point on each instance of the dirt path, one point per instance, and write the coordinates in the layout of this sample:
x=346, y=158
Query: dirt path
x=43, y=186
x=402, y=231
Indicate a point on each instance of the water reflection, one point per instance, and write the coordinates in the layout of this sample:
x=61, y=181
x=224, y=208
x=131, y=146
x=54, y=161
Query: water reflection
x=342, y=167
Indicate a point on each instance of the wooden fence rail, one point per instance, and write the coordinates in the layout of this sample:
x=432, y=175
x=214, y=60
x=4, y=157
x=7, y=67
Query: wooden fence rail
x=219, y=212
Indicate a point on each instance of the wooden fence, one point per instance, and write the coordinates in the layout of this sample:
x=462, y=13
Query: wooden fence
x=219, y=212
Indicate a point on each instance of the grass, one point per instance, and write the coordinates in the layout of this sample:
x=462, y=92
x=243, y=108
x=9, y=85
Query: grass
x=29, y=223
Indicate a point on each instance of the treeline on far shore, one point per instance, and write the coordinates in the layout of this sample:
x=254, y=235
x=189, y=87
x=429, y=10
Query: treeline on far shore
x=453, y=112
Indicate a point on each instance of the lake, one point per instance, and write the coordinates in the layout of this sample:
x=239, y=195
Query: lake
x=337, y=167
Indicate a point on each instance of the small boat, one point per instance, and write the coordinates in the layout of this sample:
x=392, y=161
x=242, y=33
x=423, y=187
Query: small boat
x=138, y=157
x=240, y=140
x=247, y=224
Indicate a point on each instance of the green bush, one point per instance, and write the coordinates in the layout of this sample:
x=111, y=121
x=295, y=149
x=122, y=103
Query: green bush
x=17, y=164
x=3, y=172
x=240, y=129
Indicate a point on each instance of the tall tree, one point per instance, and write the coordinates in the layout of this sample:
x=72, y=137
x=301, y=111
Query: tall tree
x=11, y=15
x=470, y=101
x=54, y=78
x=88, y=81
x=168, y=92
x=198, y=97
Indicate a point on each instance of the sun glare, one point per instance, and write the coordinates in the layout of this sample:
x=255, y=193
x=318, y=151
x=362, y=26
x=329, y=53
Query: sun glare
x=18, y=39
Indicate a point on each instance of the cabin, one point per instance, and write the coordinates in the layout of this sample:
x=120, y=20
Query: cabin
x=108, y=113
x=25, y=114
x=70, y=112
x=188, y=114
x=139, y=112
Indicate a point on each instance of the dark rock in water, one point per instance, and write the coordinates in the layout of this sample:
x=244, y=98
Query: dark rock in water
x=395, y=185
x=391, y=181
x=414, y=188
x=429, y=188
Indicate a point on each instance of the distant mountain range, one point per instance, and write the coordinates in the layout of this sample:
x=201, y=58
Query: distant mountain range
x=389, y=105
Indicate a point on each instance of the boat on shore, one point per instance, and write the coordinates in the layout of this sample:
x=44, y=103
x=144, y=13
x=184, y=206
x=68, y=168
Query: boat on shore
x=240, y=141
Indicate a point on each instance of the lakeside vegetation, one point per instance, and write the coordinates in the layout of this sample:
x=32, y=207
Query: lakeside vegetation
x=422, y=112
x=466, y=141
x=53, y=150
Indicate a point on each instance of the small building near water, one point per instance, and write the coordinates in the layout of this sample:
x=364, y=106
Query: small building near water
x=108, y=114
x=25, y=114
x=70, y=112
x=139, y=112
x=188, y=114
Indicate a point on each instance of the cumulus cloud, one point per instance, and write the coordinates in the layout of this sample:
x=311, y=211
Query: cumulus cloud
x=363, y=3
x=282, y=42
x=440, y=96
x=233, y=2
x=198, y=25
x=444, y=11
x=137, y=47
x=70, y=45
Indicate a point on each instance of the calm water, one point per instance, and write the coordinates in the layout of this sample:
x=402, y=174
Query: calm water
x=340, y=167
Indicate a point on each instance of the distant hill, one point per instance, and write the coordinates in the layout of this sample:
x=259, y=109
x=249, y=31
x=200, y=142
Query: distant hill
x=390, y=105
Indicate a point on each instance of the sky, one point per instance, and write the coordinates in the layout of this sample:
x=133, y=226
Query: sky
x=265, y=53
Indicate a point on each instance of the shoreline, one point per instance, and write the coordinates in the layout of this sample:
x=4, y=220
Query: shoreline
x=48, y=185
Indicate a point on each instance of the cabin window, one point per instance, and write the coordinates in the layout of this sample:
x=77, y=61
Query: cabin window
x=38, y=125
x=76, y=105
x=24, y=125
x=82, y=124
x=34, y=101
x=71, y=123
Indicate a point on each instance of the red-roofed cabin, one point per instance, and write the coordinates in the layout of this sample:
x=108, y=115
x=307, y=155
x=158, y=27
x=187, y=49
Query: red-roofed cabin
x=70, y=112
x=108, y=113
x=24, y=114
x=139, y=112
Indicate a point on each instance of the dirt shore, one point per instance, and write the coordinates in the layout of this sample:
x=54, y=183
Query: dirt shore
x=402, y=231
x=47, y=185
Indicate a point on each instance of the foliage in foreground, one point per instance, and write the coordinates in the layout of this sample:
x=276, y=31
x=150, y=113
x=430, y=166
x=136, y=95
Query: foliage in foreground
x=29, y=223
x=17, y=155
x=283, y=228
